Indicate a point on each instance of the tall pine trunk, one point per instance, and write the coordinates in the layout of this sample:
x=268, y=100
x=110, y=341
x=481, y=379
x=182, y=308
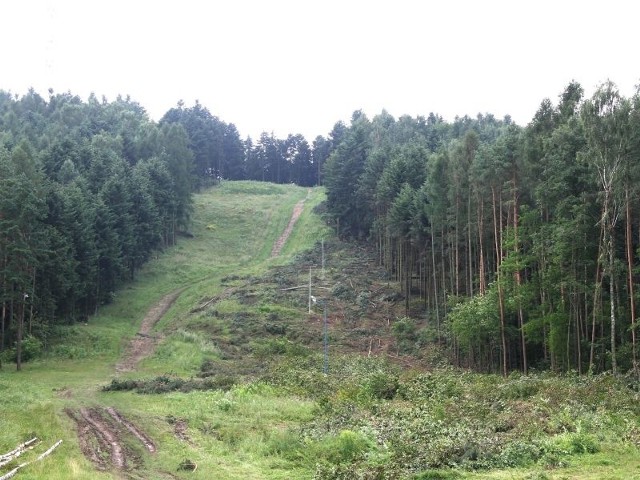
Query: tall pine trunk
x=503, y=336
x=612, y=307
x=435, y=281
x=596, y=297
x=482, y=283
x=629, y=250
x=19, y=337
x=609, y=220
x=469, y=254
x=523, y=340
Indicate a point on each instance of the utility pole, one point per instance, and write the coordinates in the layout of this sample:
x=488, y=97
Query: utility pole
x=309, y=290
x=322, y=259
x=325, y=333
x=326, y=341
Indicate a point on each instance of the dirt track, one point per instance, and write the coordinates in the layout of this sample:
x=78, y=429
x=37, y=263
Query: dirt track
x=143, y=344
x=101, y=431
x=277, y=247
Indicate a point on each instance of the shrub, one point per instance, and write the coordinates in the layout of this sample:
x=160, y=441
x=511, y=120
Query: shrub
x=225, y=404
x=69, y=351
x=166, y=383
x=405, y=332
x=574, y=444
x=342, y=292
x=31, y=348
x=363, y=301
x=382, y=385
x=275, y=329
x=278, y=346
x=286, y=444
x=537, y=476
x=520, y=389
x=345, y=447
x=519, y=453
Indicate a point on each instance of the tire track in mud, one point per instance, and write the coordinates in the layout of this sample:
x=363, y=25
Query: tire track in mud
x=103, y=435
x=101, y=430
x=140, y=435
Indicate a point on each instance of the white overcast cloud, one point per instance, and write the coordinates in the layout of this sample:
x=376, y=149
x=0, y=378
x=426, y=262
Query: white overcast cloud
x=299, y=66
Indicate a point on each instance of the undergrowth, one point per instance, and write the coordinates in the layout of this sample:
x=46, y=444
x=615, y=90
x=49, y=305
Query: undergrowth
x=166, y=383
x=446, y=420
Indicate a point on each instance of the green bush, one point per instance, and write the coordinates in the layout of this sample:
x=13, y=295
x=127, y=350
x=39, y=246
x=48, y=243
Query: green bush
x=537, y=476
x=225, y=404
x=574, y=444
x=278, y=346
x=382, y=385
x=69, y=351
x=275, y=328
x=439, y=385
x=520, y=388
x=286, y=444
x=519, y=453
x=342, y=292
x=166, y=384
x=405, y=332
x=31, y=349
x=346, y=447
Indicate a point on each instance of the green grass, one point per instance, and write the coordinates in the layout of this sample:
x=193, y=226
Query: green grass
x=614, y=462
x=228, y=431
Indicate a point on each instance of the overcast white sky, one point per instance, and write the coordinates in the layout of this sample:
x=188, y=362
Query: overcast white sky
x=298, y=66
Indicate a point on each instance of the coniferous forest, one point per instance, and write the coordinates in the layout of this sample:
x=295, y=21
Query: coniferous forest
x=515, y=247
x=89, y=190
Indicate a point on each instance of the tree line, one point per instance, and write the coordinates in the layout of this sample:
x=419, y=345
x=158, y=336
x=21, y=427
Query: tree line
x=219, y=153
x=515, y=247
x=90, y=189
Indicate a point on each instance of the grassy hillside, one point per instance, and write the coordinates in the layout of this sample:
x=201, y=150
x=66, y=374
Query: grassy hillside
x=236, y=383
x=234, y=228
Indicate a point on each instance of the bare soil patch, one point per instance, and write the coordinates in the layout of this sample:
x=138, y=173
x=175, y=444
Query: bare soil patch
x=143, y=344
x=180, y=431
x=277, y=247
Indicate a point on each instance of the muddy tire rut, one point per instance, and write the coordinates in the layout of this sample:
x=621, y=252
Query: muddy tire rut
x=105, y=437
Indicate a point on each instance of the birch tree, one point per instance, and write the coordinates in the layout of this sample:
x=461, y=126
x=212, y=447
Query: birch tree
x=606, y=123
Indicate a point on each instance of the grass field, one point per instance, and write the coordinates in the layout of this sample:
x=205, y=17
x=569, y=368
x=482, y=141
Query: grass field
x=236, y=384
